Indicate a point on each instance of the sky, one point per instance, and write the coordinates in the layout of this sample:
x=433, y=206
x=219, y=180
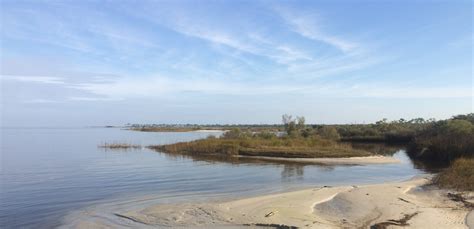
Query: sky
x=75, y=63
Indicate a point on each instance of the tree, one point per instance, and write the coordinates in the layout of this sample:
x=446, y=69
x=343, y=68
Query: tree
x=293, y=126
x=329, y=132
x=289, y=123
x=300, y=122
x=417, y=121
x=286, y=119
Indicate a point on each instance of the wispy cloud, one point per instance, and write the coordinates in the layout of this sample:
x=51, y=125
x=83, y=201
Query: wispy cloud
x=92, y=99
x=245, y=40
x=41, y=101
x=309, y=25
x=34, y=79
x=159, y=86
x=167, y=52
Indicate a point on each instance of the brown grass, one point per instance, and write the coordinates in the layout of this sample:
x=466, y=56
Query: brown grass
x=277, y=147
x=459, y=176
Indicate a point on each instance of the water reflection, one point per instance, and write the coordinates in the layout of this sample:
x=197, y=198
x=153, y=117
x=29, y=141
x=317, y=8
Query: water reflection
x=292, y=172
x=378, y=148
x=391, y=149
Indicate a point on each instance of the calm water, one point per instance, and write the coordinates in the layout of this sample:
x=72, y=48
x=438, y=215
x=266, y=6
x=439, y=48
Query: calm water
x=48, y=173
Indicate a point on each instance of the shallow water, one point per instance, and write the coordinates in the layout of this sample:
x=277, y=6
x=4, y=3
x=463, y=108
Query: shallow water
x=48, y=173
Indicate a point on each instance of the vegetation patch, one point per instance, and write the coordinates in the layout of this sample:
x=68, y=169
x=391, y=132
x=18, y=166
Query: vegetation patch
x=398, y=131
x=236, y=142
x=119, y=145
x=429, y=141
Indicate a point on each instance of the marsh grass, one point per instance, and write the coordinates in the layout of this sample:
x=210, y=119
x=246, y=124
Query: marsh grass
x=458, y=176
x=119, y=145
x=275, y=147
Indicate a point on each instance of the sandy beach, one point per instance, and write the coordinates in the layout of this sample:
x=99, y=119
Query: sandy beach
x=411, y=204
x=331, y=161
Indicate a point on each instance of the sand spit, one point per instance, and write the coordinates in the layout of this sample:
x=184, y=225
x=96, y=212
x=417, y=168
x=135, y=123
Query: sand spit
x=331, y=161
x=409, y=204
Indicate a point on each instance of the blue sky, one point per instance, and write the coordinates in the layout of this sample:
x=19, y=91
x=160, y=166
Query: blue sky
x=70, y=63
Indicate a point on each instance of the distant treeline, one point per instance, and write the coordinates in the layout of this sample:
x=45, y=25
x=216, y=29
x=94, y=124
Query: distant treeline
x=194, y=127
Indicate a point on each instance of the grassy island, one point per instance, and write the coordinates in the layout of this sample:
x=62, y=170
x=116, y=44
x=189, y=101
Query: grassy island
x=295, y=142
x=255, y=146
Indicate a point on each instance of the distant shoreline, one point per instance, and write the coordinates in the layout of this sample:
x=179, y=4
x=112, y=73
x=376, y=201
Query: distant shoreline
x=168, y=129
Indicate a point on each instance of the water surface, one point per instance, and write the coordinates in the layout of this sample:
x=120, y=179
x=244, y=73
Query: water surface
x=48, y=173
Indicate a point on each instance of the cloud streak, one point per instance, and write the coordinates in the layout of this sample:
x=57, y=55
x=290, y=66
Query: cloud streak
x=159, y=87
x=34, y=79
x=308, y=25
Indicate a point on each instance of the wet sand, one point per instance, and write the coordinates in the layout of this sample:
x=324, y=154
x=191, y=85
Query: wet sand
x=411, y=204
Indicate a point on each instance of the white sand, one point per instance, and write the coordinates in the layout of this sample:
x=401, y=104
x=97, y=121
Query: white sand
x=326, y=207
